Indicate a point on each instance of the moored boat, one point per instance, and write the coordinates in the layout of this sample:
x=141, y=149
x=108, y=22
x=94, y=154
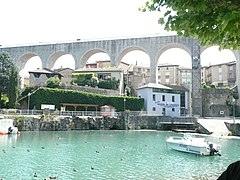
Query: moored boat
x=7, y=127
x=194, y=145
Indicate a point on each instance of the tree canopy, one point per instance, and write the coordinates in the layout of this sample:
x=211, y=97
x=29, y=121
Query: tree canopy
x=212, y=22
x=9, y=79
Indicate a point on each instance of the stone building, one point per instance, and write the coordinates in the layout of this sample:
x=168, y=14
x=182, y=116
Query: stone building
x=219, y=74
x=40, y=77
x=66, y=75
x=168, y=74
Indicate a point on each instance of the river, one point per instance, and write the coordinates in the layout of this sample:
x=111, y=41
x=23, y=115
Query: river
x=109, y=155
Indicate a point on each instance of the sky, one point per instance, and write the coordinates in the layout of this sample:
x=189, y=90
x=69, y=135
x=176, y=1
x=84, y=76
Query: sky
x=26, y=22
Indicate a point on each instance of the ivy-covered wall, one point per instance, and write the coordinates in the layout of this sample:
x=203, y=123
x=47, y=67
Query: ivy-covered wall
x=58, y=96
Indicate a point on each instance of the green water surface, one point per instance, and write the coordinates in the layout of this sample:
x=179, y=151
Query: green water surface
x=107, y=155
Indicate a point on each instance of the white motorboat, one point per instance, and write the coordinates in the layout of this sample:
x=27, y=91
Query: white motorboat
x=194, y=145
x=7, y=127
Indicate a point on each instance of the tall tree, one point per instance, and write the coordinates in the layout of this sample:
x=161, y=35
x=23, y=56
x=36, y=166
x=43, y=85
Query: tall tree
x=9, y=79
x=212, y=22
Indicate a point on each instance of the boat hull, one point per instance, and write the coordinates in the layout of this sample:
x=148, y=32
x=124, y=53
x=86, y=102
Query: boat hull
x=7, y=127
x=194, y=146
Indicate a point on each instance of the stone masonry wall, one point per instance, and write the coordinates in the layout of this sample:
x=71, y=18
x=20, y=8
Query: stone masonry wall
x=123, y=122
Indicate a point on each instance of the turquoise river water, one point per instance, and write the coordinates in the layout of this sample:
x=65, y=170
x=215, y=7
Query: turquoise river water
x=107, y=155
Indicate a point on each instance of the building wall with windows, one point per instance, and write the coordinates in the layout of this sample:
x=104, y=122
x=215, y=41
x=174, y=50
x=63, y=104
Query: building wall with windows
x=185, y=76
x=160, y=100
x=220, y=74
x=168, y=74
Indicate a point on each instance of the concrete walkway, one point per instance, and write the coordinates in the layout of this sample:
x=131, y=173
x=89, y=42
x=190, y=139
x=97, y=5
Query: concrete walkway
x=216, y=126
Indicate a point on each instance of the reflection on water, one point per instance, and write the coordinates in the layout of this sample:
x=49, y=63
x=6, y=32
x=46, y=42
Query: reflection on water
x=8, y=139
x=107, y=155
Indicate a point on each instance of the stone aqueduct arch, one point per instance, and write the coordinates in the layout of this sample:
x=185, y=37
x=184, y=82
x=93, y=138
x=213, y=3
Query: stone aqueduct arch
x=116, y=49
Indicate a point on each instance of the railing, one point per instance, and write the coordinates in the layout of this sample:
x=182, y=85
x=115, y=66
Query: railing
x=86, y=113
x=58, y=113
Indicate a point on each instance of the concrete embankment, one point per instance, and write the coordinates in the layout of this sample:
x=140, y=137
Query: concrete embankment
x=234, y=128
x=215, y=126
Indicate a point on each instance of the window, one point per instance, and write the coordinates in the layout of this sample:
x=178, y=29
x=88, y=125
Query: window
x=163, y=97
x=154, y=97
x=173, y=109
x=219, y=69
x=220, y=77
x=173, y=98
x=36, y=75
x=154, y=108
x=163, y=111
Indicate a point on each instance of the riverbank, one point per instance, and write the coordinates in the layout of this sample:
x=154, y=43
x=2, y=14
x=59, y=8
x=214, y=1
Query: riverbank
x=125, y=121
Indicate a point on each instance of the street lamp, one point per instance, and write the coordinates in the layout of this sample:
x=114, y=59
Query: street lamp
x=233, y=100
x=124, y=101
x=29, y=94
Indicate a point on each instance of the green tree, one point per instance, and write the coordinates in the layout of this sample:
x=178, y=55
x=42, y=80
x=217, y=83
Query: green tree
x=94, y=81
x=82, y=79
x=212, y=22
x=9, y=78
x=53, y=82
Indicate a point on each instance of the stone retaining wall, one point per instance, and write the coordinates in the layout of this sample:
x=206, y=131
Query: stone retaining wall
x=124, y=122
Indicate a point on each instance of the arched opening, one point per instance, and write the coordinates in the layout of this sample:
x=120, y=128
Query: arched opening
x=97, y=71
x=137, y=57
x=218, y=73
x=98, y=60
x=64, y=61
x=218, y=67
x=28, y=63
x=135, y=63
x=61, y=59
x=212, y=56
x=174, y=67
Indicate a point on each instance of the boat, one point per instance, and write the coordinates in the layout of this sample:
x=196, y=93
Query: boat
x=194, y=145
x=7, y=127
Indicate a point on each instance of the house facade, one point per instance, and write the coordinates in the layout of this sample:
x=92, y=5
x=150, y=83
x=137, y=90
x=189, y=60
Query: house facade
x=160, y=100
x=223, y=74
x=106, y=74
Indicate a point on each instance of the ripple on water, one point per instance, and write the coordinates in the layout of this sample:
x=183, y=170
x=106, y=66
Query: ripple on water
x=108, y=155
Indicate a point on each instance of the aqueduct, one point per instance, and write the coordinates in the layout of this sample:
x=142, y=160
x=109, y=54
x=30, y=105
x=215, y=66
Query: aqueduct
x=154, y=46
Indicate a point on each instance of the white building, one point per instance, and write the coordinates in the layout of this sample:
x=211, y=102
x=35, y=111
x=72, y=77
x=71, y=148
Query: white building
x=160, y=100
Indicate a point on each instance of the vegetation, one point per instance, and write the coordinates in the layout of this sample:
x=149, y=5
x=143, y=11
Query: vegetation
x=208, y=85
x=82, y=79
x=109, y=84
x=58, y=96
x=212, y=22
x=10, y=80
x=53, y=82
x=90, y=79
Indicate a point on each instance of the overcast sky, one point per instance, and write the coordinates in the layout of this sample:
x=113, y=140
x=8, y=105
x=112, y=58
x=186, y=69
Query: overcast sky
x=31, y=21
x=34, y=21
